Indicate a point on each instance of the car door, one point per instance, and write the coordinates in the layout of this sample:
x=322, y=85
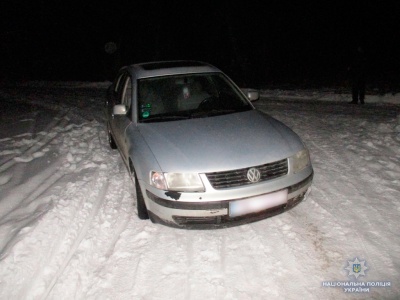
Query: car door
x=121, y=122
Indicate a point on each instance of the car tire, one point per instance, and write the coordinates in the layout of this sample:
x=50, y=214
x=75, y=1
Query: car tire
x=111, y=140
x=140, y=205
x=141, y=208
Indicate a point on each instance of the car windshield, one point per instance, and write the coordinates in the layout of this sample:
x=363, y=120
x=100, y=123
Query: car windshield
x=170, y=98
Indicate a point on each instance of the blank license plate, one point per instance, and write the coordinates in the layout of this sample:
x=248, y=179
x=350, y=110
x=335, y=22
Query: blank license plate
x=258, y=203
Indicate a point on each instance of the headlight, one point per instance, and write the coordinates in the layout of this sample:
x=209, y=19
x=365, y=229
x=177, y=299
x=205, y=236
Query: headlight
x=179, y=182
x=300, y=160
x=157, y=180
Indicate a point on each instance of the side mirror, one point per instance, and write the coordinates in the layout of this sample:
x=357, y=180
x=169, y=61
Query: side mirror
x=251, y=94
x=119, y=109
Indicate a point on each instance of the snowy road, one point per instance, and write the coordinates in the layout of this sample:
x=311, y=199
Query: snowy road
x=68, y=228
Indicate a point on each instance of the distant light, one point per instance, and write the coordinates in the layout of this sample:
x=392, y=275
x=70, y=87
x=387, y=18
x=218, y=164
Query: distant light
x=110, y=47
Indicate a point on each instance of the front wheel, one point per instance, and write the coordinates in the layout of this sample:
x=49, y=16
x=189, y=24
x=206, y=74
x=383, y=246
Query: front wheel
x=141, y=209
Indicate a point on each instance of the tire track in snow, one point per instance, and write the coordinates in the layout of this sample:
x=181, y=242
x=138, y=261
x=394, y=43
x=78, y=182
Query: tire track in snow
x=345, y=163
x=257, y=271
x=139, y=236
x=142, y=238
x=293, y=245
x=189, y=264
x=35, y=186
x=114, y=225
x=28, y=208
x=204, y=252
x=355, y=238
x=30, y=191
x=137, y=259
x=277, y=247
x=82, y=233
x=35, y=191
x=59, y=121
x=72, y=234
x=126, y=215
x=53, y=248
x=93, y=143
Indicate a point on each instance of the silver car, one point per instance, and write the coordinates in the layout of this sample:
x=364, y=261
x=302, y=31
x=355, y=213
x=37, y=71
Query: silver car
x=198, y=152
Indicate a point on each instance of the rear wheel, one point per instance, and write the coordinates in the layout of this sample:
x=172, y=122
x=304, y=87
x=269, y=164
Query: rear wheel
x=140, y=204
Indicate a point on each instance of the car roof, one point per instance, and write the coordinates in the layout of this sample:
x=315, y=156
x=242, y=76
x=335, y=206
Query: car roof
x=163, y=68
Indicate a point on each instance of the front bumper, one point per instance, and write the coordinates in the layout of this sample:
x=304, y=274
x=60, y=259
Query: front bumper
x=215, y=214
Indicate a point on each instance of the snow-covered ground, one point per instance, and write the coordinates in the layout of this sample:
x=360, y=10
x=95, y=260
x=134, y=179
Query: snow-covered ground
x=68, y=228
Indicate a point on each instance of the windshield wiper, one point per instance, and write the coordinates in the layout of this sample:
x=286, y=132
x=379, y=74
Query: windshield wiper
x=214, y=112
x=165, y=118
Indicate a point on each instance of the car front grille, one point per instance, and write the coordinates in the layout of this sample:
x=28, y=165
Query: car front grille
x=238, y=177
x=197, y=220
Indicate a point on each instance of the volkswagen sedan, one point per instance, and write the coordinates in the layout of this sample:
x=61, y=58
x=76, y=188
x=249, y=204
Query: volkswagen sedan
x=198, y=152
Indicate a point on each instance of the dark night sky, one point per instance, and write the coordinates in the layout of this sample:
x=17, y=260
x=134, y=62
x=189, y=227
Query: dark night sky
x=260, y=42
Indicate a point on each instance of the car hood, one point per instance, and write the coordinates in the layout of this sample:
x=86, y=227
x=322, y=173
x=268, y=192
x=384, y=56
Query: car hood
x=226, y=142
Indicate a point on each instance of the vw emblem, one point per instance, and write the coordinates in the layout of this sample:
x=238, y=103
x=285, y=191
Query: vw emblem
x=253, y=175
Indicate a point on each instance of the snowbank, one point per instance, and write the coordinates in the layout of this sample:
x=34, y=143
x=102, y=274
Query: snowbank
x=326, y=95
